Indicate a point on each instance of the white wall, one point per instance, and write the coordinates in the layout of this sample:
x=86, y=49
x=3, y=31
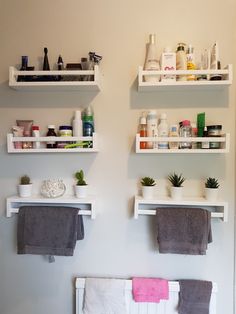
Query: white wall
x=115, y=244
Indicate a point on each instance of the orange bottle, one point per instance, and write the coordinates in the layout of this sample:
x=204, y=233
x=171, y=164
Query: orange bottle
x=143, y=131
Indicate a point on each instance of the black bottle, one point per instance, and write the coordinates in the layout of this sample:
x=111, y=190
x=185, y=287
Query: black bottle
x=46, y=66
x=51, y=132
x=60, y=66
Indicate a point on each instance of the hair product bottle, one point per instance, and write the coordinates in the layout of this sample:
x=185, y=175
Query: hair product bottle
x=151, y=61
x=77, y=124
x=181, y=61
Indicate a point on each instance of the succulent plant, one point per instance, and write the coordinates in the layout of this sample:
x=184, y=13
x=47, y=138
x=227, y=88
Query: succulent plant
x=79, y=175
x=212, y=183
x=147, y=181
x=24, y=180
x=176, y=180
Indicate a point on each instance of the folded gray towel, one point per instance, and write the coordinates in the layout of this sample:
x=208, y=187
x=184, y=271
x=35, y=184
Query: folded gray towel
x=194, y=296
x=48, y=230
x=183, y=230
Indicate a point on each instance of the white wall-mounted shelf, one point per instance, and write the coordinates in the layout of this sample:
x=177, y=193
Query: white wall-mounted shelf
x=11, y=140
x=63, y=85
x=224, y=141
x=227, y=78
x=220, y=207
x=14, y=202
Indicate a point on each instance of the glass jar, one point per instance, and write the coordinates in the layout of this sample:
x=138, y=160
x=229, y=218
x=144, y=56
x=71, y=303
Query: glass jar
x=64, y=131
x=214, y=131
x=51, y=132
x=185, y=131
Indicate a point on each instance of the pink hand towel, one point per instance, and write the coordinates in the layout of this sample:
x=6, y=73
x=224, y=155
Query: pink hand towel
x=150, y=289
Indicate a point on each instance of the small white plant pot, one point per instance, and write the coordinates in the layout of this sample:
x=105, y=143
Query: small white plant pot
x=25, y=190
x=211, y=194
x=148, y=192
x=81, y=191
x=176, y=193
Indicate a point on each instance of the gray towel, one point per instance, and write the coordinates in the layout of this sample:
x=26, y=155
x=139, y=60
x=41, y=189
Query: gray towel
x=194, y=296
x=183, y=230
x=48, y=230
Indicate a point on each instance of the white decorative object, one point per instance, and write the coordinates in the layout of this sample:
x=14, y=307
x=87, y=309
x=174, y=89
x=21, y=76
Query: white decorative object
x=148, y=192
x=25, y=190
x=176, y=192
x=81, y=191
x=53, y=188
x=211, y=194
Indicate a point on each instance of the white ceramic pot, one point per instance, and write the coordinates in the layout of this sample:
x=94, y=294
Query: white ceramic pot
x=148, y=192
x=25, y=190
x=176, y=192
x=211, y=194
x=81, y=191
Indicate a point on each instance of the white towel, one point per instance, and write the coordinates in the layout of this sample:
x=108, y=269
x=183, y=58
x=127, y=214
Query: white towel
x=104, y=296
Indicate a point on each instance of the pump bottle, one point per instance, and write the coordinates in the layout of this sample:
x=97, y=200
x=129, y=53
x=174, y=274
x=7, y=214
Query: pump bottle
x=151, y=61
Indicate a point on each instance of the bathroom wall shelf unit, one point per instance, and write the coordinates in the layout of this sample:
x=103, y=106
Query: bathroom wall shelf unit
x=227, y=78
x=63, y=85
x=11, y=140
x=224, y=141
x=14, y=202
x=220, y=207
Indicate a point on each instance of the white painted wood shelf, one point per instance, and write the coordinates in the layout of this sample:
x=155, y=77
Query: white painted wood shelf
x=224, y=141
x=13, y=203
x=63, y=85
x=11, y=140
x=227, y=78
x=219, y=209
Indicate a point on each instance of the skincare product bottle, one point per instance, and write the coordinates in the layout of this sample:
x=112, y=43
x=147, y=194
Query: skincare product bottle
x=51, y=132
x=215, y=62
x=173, y=133
x=190, y=62
x=35, y=133
x=151, y=61
x=163, y=131
x=143, y=131
x=181, y=61
x=152, y=128
x=46, y=66
x=77, y=124
x=185, y=131
x=168, y=63
x=205, y=145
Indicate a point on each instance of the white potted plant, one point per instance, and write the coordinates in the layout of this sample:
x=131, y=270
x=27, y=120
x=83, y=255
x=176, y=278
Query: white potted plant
x=148, y=187
x=25, y=186
x=177, y=181
x=211, y=189
x=81, y=187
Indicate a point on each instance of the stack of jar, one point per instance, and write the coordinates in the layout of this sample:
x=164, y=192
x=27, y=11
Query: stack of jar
x=149, y=127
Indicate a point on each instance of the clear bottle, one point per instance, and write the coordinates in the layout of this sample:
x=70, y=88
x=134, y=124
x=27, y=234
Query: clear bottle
x=205, y=145
x=163, y=130
x=152, y=128
x=181, y=61
x=35, y=133
x=185, y=131
x=174, y=133
x=194, y=134
x=51, y=132
x=143, y=131
x=151, y=61
x=190, y=62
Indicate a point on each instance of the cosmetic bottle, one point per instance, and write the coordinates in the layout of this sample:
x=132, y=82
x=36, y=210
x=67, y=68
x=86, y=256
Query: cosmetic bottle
x=46, y=66
x=143, y=130
x=168, y=63
x=152, y=128
x=35, y=133
x=151, y=61
x=163, y=131
x=215, y=62
x=205, y=145
x=77, y=124
x=181, y=61
x=173, y=133
x=190, y=62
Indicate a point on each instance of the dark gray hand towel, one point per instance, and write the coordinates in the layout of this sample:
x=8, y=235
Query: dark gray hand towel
x=194, y=296
x=48, y=230
x=183, y=230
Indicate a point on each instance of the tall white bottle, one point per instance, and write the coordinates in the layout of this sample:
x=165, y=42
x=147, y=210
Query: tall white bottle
x=77, y=124
x=152, y=128
x=163, y=131
x=151, y=61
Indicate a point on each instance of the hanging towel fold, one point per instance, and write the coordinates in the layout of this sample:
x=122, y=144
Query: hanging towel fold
x=183, y=230
x=48, y=230
x=104, y=296
x=150, y=289
x=194, y=296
